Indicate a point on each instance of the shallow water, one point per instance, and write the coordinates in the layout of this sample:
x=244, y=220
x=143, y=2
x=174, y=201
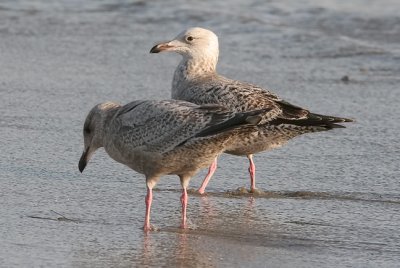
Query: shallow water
x=328, y=199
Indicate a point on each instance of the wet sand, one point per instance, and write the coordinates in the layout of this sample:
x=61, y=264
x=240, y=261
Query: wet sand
x=326, y=200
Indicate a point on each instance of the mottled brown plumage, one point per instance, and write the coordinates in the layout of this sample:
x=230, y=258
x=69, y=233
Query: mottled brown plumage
x=196, y=80
x=157, y=138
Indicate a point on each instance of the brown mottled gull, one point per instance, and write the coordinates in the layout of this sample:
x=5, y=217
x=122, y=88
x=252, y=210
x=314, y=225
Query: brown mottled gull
x=156, y=138
x=196, y=80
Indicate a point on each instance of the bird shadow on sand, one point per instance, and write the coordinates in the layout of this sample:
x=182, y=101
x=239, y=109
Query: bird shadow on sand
x=54, y=217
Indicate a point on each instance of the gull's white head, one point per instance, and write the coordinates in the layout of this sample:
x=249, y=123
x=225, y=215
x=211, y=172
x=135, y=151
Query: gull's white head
x=193, y=43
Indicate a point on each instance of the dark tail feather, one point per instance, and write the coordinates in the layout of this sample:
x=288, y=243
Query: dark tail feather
x=331, y=119
x=334, y=126
x=316, y=120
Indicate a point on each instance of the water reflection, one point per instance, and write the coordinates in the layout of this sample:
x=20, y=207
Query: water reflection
x=227, y=231
x=147, y=250
x=194, y=247
x=172, y=247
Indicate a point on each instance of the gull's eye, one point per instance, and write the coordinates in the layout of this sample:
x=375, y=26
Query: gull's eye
x=189, y=38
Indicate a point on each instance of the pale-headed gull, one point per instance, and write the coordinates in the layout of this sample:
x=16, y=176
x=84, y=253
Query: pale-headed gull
x=196, y=80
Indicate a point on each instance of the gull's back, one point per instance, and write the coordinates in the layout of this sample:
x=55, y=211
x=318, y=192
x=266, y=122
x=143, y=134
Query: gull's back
x=169, y=137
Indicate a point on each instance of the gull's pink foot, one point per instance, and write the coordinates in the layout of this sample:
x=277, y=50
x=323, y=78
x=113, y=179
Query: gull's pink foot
x=148, y=228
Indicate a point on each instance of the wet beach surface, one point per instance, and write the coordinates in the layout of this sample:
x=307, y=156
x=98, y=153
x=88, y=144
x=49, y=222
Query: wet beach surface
x=327, y=199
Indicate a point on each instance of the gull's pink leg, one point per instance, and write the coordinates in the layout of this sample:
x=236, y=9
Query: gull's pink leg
x=211, y=171
x=252, y=171
x=184, y=197
x=184, y=200
x=148, y=200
